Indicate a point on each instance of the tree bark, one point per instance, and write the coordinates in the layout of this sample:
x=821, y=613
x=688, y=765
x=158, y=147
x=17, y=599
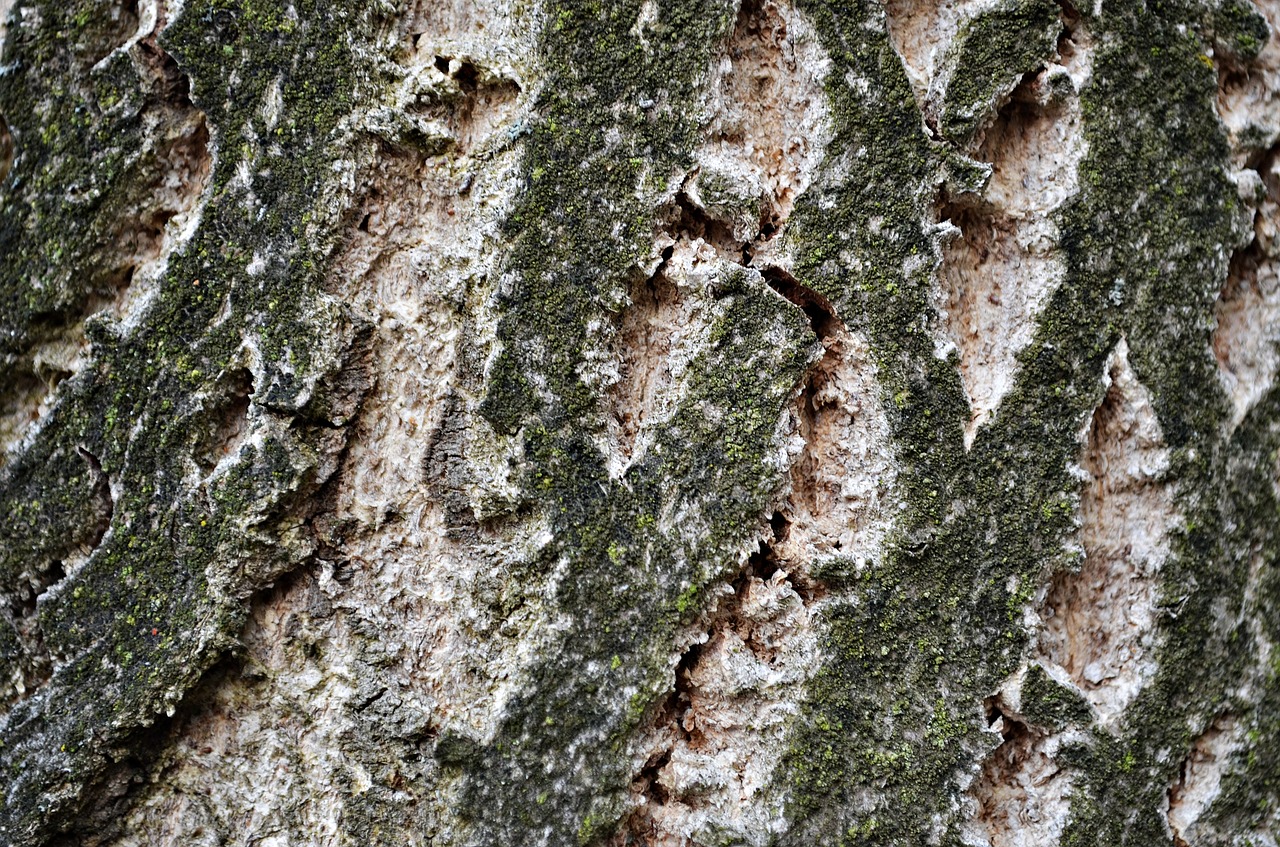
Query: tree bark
x=639, y=422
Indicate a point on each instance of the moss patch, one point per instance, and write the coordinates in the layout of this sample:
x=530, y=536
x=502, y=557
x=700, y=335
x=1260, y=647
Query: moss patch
x=616, y=124
x=992, y=51
x=166, y=589
x=895, y=713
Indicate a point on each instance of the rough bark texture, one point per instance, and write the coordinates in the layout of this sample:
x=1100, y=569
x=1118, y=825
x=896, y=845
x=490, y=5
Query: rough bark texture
x=639, y=422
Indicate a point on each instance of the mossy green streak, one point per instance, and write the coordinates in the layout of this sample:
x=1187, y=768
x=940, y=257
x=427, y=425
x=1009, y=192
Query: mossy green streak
x=165, y=591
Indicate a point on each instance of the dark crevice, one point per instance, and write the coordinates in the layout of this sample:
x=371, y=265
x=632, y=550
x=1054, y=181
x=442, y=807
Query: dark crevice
x=467, y=77
x=51, y=375
x=672, y=713
x=6, y=149
x=1070, y=25
x=761, y=565
x=931, y=127
x=991, y=708
x=368, y=700
x=24, y=603
x=1012, y=729
x=693, y=222
x=1231, y=79
x=820, y=311
x=780, y=526
x=58, y=572
x=469, y=111
x=1263, y=160
x=1029, y=99
x=1006, y=768
x=1174, y=795
x=648, y=777
x=105, y=503
x=21, y=396
x=169, y=83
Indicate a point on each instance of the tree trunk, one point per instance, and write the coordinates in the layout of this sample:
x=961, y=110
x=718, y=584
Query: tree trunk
x=639, y=422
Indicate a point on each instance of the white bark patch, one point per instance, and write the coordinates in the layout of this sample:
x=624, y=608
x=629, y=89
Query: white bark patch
x=1099, y=623
x=841, y=499
x=1004, y=264
x=662, y=331
x=1199, y=780
x=498, y=34
x=1022, y=795
x=922, y=31
x=262, y=743
x=6, y=6
x=1246, y=340
x=770, y=124
x=405, y=622
x=423, y=253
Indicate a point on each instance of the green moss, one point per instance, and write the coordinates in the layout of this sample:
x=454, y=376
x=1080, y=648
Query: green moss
x=616, y=123
x=1239, y=29
x=141, y=621
x=1166, y=267
x=992, y=51
x=1050, y=705
x=58, y=105
x=999, y=515
x=626, y=589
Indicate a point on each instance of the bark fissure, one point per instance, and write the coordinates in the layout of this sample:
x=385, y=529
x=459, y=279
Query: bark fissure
x=658, y=422
x=1002, y=260
x=698, y=773
x=1246, y=338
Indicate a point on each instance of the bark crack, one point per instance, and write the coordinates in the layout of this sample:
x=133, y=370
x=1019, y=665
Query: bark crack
x=697, y=734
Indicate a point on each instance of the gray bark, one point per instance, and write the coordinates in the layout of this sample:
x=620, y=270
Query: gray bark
x=656, y=422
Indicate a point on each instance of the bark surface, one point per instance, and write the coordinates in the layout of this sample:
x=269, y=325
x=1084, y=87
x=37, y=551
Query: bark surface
x=639, y=422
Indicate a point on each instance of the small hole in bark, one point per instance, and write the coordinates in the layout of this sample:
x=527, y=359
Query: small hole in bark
x=781, y=527
x=57, y=572
x=468, y=77
x=991, y=708
x=648, y=778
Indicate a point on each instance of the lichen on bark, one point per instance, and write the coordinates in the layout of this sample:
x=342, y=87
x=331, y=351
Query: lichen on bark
x=645, y=422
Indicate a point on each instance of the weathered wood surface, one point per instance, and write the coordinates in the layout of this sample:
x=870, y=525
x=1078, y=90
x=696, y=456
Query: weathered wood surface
x=665, y=422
